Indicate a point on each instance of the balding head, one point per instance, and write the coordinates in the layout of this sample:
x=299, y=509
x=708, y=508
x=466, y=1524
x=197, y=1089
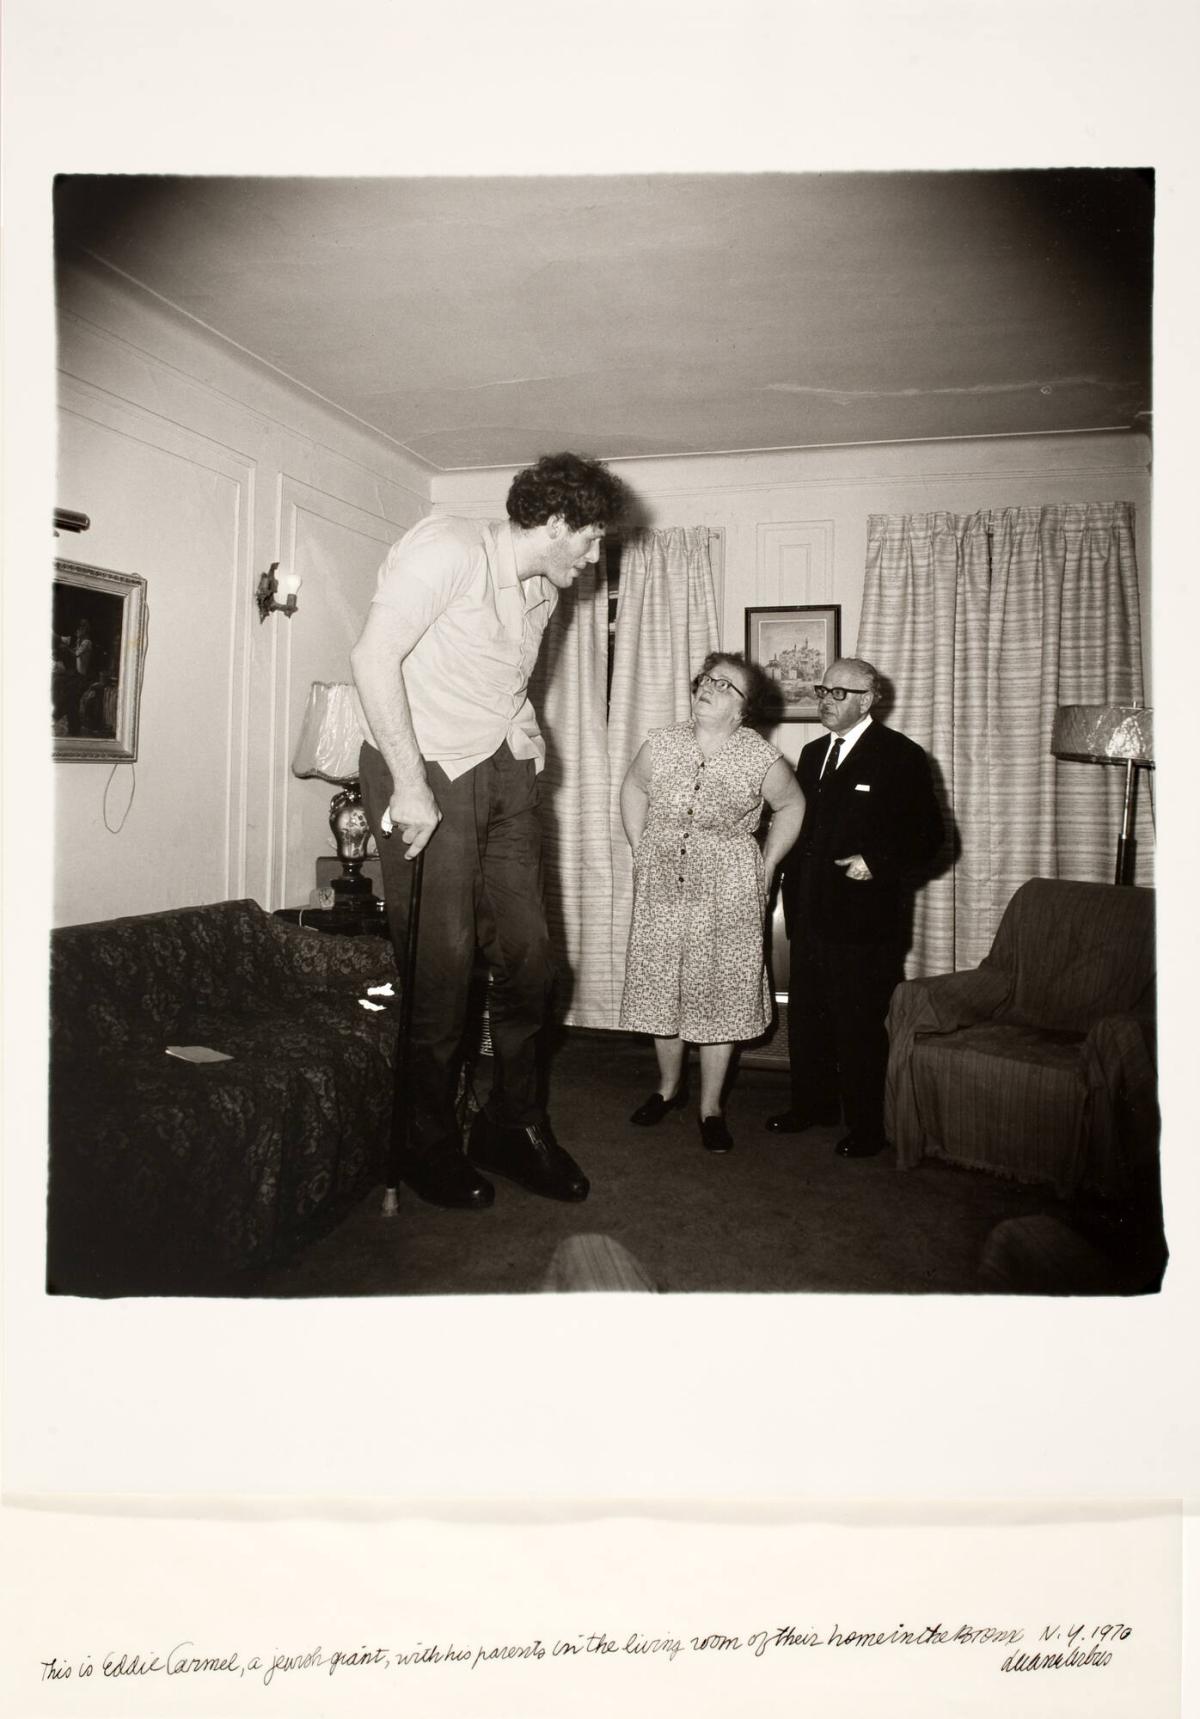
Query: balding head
x=858, y=680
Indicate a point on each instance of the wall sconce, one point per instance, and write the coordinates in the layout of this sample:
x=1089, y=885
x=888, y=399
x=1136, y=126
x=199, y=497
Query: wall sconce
x=268, y=590
x=65, y=519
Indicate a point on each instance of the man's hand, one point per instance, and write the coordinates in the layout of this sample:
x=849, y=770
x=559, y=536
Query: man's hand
x=857, y=868
x=414, y=812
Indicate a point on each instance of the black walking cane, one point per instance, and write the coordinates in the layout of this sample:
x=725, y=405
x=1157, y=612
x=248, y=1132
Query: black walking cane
x=401, y=1101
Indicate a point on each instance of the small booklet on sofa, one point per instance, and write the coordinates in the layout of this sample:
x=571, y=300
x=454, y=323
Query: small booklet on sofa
x=198, y=1053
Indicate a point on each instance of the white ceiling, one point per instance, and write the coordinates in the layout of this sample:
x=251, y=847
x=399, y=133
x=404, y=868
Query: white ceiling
x=482, y=322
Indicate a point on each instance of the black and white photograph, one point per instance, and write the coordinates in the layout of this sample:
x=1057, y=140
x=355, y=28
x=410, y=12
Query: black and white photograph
x=670, y=802
x=677, y=1194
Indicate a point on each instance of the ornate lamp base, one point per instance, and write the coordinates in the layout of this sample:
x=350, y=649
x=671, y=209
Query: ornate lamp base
x=354, y=899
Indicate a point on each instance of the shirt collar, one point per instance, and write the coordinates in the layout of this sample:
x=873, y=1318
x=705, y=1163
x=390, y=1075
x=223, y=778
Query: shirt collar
x=852, y=734
x=534, y=590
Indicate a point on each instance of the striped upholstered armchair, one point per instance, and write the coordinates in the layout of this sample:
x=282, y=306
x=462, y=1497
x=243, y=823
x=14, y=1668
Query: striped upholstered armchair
x=1040, y=1063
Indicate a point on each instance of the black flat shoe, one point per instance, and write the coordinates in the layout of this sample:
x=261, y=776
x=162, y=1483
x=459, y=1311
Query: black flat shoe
x=714, y=1135
x=795, y=1122
x=656, y=1107
x=531, y=1157
x=851, y=1146
x=449, y=1181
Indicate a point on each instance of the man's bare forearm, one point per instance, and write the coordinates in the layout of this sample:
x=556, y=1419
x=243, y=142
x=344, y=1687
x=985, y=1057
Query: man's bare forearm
x=375, y=663
x=386, y=708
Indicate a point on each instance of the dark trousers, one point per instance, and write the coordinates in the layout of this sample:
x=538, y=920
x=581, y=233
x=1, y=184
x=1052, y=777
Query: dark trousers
x=481, y=890
x=838, y=996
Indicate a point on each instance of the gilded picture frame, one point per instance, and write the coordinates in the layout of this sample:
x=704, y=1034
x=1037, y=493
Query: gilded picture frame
x=97, y=651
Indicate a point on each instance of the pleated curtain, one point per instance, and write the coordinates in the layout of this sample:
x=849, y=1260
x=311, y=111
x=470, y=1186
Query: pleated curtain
x=666, y=625
x=984, y=623
x=568, y=690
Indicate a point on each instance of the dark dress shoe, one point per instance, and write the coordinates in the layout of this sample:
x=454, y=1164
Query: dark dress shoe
x=795, y=1122
x=656, y=1107
x=448, y=1181
x=854, y=1146
x=531, y=1157
x=714, y=1135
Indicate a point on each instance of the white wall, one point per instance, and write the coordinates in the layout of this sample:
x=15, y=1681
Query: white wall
x=199, y=467
x=796, y=523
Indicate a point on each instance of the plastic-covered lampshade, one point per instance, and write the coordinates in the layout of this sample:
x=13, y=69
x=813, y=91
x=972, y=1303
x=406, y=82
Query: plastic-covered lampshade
x=1109, y=733
x=330, y=735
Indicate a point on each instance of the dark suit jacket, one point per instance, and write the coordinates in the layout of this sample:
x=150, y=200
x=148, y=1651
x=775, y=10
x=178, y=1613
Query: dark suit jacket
x=880, y=804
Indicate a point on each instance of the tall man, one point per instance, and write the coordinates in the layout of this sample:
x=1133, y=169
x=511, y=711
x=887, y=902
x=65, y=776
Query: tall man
x=871, y=815
x=453, y=755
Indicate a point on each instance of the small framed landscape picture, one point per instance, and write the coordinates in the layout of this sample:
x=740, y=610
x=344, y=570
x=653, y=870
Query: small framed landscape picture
x=97, y=644
x=795, y=646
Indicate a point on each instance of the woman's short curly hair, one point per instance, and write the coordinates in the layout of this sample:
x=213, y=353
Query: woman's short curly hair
x=761, y=694
x=583, y=492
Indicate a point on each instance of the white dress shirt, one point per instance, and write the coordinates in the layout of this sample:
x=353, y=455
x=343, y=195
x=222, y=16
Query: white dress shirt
x=848, y=739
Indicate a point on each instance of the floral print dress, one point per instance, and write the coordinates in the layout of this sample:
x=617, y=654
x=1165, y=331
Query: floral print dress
x=695, y=964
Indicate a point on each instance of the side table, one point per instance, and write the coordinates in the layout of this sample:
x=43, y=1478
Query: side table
x=331, y=920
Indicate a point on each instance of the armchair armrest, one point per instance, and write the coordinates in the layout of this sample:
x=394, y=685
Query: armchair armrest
x=948, y=1001
x=316, y=959
x=940, y=1004
x=1118, y=1062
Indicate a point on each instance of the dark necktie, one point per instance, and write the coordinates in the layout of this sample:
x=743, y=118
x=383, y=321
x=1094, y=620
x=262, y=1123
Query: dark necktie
x=831, y=760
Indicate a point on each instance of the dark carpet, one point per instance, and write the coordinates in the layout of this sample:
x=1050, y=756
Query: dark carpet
x=781, y=1213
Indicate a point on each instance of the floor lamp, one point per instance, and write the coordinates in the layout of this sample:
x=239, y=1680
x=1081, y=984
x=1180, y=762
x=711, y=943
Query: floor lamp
x=1109, y=734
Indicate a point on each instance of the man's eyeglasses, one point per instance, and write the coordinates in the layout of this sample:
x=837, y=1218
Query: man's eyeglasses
x=715, y=681
x=836, y=693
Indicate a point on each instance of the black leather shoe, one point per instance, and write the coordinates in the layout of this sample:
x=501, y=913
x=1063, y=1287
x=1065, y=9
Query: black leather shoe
x=448, y=1181
x=795, y=1122
x=531, y=1157
x=853, y=1146
x=656, y=1107
x=714, y=1135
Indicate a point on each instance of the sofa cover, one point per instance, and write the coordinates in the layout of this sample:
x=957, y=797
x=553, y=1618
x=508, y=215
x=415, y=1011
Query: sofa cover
x=1039, y=1063
x=166, y=1174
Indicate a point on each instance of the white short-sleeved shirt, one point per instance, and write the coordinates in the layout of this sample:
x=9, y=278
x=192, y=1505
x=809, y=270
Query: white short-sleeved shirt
x=467, y=677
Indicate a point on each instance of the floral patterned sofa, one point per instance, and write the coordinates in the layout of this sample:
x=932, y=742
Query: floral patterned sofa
x=168, y=1175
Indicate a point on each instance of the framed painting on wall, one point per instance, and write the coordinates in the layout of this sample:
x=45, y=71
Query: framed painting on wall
x=97, y=647
x=795, y=646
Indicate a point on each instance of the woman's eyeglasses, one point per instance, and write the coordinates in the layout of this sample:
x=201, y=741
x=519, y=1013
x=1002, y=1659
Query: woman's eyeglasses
x=717, y=683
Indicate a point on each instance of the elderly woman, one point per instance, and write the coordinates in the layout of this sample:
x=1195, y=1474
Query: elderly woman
x=691, y=804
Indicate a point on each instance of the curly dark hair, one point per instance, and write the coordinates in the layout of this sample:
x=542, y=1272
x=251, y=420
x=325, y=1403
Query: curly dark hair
x=761, y=693
x=583, y=492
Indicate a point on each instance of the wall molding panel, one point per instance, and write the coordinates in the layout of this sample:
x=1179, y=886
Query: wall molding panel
x=198, y=471
x=337, y=548
x=795, y=562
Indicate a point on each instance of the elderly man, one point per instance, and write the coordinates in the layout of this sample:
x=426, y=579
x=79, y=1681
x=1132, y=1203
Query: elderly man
x=871, y=817
x=451, y=763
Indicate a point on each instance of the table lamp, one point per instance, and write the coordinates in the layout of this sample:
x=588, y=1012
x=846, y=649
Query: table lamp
x=329, y=743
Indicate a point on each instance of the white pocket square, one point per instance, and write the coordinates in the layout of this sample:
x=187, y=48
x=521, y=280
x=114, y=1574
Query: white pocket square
x=862, y=787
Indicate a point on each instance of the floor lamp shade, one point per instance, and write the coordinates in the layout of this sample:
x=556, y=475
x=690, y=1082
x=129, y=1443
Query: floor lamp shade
x=1109, y=734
